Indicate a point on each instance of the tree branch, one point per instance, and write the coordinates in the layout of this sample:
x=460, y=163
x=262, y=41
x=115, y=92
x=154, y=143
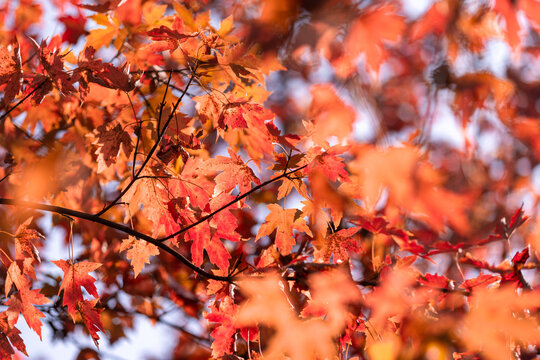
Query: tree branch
x=157, y=242
x=238, y=198
x=4, y=115
x=113, y=225
x=154, y=148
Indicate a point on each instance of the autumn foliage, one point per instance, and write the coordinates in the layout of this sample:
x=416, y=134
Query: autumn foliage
x=325, y=179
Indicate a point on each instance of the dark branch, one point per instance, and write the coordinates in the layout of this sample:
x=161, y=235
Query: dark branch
x=238, y=198
x=22, y=100
x=154, y=148
x=157, y=242
x=113, y=225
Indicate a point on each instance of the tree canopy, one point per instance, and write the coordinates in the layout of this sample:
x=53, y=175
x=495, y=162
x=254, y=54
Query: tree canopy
x=324, y=179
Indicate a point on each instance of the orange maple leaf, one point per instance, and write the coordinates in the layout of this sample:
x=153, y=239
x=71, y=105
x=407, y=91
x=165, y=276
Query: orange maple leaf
x=139, y=252
x=339, y=244
x=283, y=221
x=412, y=184
x=493, y=335
x=367, y=35
x=24, y=238
x=233, y=172
x=331, y=116
x=298, y=338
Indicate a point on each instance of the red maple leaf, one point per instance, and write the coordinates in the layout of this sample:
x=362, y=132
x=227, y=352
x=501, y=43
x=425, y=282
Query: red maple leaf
x=203, y=240
x=224, y=313
x=166, y=38
x=74, y=27
x=90, y=317
x=109, y=142
x=75, y=276
x=23, y=302
x=482, y=280
x=10, y=71
x=9, y=333
x=104, y=74
x=51, y=60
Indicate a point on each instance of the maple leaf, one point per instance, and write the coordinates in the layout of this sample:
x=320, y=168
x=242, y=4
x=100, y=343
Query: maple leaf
x=473, y=89
x=99, y=37
x=531, y=9
x=23, y=302
x=393, y=299
x=91, y=318
x=74, y=27
x=104, y=74
x=102, y=5
x=283, y=221
x=331, y=116
x=109, y=141
x=24, y=239
x=233, y=172
x=168, y=39
x=366, y=36
x=224, y=222
x=224, y=313
x=203, y=240
x=327, y=302
x=10, y=71
x=139, y=252
x=481, y=281
x=18, y=273
x=327, y=162
x=294, y=337
x=413, y=184
x=434, y=21
x=512, y=27
x=9, y=333
x=258, y=137
x=52, y=61
x=339, y=244
x=493, y=334
x=75, y=276
x=193, y=184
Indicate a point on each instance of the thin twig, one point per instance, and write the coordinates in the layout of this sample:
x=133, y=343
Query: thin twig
x=22, y=100
x=232, y=202
x=152, y=151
